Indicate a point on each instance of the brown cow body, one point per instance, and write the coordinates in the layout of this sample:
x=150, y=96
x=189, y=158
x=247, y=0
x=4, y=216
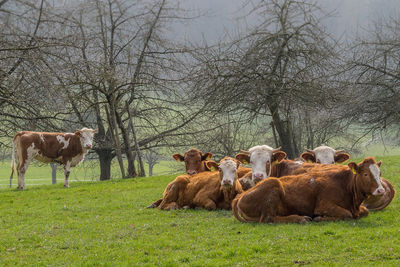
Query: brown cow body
x=204, y=190
x=68, y=149
x=323, y=193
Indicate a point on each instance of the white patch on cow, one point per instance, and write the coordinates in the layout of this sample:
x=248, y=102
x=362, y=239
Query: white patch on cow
x=77, y=159
x=228, y=168
x=377, y=175
x=87, y=138
x=298, y=162
x=260, y=156
x=31, y=152
x=42, y=137
x=324, y=155
x=312, y=181
x=61, y=139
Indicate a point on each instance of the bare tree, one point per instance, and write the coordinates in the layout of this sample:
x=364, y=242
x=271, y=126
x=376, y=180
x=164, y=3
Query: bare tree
x=277, y=70
x=374, y=77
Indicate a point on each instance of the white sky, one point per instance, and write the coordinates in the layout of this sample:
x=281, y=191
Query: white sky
x=351, y=16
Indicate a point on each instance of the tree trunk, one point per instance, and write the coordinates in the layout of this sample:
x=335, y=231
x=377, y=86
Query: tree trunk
x=285, y=138
x=115, y=136
x=151, y=169
x=142, y=173
x=105, y=158
x=127, y=147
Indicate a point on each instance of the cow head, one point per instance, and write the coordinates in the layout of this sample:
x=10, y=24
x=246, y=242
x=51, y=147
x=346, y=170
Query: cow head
x=261, y=159
x=227, y=168
x=194, y=160
x=325, y=155
x=86, y=136
x=368, y=176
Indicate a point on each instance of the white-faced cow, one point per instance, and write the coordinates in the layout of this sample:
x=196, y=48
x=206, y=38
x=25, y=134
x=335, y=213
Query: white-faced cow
x=261, y=158
x=325, y=155
x=208, y=190
x=68, y=149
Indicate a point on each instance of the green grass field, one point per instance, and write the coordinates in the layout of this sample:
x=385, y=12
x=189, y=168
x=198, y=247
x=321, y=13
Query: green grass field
x=107, y=224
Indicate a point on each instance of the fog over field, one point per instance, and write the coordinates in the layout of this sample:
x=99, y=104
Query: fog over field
x=348, y=17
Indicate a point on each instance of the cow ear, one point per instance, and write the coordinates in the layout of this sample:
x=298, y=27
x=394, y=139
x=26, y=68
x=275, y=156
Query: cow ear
x=278, y=156
x=78, y=133
x=379, y=163
x=308, y=157
x=237, y=163
x=243, y=158
x=212, y=165
x=206, y=156
x=178, y=157
x=341, y=157
x=353, y=167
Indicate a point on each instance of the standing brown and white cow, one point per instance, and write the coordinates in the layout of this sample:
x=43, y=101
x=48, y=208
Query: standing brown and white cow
x=68, y=149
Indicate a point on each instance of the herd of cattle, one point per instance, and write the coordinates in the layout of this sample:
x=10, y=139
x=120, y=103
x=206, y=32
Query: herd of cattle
x=273, y=190
x=279, y=190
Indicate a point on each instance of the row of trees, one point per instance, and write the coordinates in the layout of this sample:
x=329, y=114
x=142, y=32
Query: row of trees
x=115, y=65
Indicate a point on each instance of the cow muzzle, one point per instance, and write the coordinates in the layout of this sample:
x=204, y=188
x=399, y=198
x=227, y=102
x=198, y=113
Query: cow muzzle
x=88, y=146
x=258, y=177
x=227, y=183
x=379, y=191
x=191, y=172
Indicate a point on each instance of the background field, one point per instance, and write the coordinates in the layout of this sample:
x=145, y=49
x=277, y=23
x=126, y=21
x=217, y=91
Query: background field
x=106, y=223
x=89, y=170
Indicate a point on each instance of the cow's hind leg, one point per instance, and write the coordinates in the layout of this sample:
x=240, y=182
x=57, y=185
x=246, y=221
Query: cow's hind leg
x=21, y=169
x=172, y=193
x=67, y=170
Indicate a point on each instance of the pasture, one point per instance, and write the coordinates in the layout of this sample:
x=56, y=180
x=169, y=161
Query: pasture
x=89, y=170
x=106, y=223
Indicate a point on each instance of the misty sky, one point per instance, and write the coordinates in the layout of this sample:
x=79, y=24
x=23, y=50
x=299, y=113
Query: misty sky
x=352, y=16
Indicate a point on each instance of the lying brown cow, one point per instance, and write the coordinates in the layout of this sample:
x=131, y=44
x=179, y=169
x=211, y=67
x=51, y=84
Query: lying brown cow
x=325, y=193
x=208, y=190
x=68, y=149
x=281, y=167
x=195, y=162
x=326, y=155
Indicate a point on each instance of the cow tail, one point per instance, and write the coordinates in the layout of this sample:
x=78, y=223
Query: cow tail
x=12, y=162
x=235, y=210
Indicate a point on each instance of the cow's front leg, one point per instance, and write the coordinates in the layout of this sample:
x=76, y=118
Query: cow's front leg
x=326, y=211
x=67, y=170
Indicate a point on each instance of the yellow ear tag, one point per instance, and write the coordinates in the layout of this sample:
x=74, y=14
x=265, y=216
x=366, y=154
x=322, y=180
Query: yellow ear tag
x=354, y=171
x=277, y=161
x=309, y=161
x=212, y=168
x=208, y=158
x=245, y=162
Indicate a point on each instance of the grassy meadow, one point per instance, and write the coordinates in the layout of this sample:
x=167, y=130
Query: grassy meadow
x=106, y=223
x=89, y=170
